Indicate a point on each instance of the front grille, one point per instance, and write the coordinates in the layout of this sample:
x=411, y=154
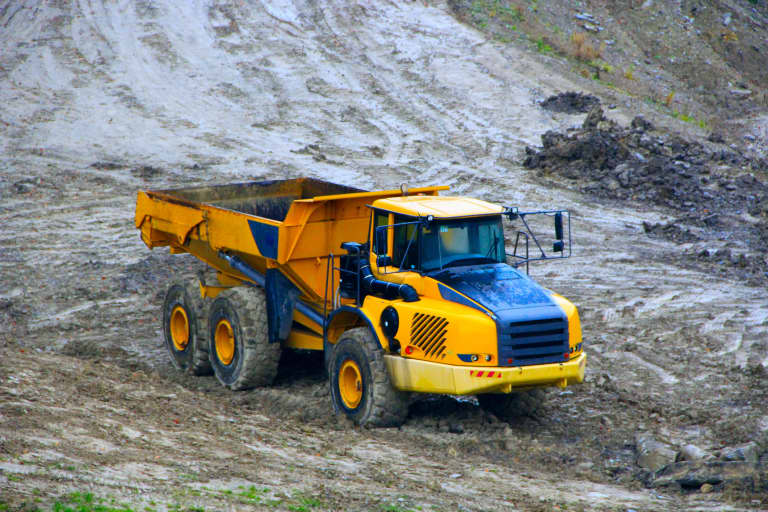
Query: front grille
x=428, y=332
x=534, y=342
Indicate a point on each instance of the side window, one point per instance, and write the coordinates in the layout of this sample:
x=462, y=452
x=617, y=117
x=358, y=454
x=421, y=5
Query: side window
x=406, y=245
x=380, y=219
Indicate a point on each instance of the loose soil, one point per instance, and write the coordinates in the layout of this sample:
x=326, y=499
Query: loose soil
x=102, y=99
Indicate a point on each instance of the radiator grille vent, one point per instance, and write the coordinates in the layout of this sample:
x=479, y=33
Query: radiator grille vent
x=428, y=332
x=534, y=342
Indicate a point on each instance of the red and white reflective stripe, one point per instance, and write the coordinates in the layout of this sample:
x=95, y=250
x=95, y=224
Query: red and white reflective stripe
x=483, y=373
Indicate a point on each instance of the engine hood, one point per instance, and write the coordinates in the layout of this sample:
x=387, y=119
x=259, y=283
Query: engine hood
x=498, y=287
x=532, y=328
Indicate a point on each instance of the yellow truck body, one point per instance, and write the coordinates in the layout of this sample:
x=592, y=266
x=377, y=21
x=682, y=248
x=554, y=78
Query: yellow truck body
x=440, y=325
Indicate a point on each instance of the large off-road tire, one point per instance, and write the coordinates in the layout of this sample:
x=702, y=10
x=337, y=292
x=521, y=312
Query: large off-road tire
x=185, y=327
x=360, y=384
x=241, y=355
x=513, y=405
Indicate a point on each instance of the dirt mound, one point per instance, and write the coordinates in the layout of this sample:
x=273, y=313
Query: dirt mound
x=571, y=102
x=716, y=188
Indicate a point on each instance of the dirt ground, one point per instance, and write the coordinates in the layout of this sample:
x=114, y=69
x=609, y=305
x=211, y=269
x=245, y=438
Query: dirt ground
x=100, y=99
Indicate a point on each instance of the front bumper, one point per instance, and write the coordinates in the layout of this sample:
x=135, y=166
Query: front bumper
x=428, y=377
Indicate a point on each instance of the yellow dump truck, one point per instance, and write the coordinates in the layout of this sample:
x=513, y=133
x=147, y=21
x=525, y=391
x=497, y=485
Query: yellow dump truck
x=404, y=290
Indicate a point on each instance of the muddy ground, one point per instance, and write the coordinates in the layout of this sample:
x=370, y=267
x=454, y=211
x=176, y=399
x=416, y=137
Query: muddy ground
x=101, y=99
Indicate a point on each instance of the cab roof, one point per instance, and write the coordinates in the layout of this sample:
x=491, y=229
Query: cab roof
x=440, y=207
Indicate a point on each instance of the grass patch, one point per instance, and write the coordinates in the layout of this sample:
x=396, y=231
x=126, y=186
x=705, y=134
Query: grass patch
x=542, y=46
x=583, y=48
x=87, y=502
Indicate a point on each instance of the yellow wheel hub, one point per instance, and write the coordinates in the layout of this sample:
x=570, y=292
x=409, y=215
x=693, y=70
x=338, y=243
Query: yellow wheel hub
x=350, y=384
x=179, y=325
x=224, y=339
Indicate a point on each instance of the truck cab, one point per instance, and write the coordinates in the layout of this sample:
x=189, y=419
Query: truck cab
x=488, y=325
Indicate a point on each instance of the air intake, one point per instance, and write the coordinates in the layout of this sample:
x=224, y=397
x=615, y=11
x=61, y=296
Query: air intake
x=534, y=342
x=428, y=332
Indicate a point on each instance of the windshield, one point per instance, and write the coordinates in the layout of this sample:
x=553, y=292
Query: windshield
x=451, y=243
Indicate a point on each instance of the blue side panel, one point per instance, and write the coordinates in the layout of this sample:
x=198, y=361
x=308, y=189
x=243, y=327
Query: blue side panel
x=281, y=299
x=449, y=294
x=265, y=236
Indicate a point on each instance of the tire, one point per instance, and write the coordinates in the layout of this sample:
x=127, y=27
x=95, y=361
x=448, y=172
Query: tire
x=360, y=384
x=513, y=405
x=241, y=355
x=185, y=327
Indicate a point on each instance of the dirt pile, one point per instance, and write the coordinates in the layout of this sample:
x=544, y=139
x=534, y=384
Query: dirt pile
x=715, y=189
x=571, y=102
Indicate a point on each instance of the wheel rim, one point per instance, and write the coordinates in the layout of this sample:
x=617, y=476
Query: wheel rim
x=350, y=384
x=179, y=328
x=224, y=339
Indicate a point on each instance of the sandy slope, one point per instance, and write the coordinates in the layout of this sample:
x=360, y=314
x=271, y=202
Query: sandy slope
x=99, y=99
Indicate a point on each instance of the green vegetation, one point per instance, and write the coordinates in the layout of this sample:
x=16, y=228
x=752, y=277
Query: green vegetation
x=482, y=11
x=601, y=65
x=86, y=502
x=665, y=107
x=542, y=46
x=304, y=503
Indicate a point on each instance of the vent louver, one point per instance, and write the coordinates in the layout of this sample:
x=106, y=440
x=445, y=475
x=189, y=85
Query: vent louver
x=428, y=332
x=534, y=342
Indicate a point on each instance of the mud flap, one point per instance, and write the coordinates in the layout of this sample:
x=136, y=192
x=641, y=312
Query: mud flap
x=281, y=300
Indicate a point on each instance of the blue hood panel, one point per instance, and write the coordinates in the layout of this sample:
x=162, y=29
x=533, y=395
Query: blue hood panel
x=496, y=286
x=532, y=328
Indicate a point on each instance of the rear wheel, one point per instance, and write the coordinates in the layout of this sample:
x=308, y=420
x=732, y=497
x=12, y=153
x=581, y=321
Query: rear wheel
x=360, y=384
x=185, y=324
x=513, y=405
x=241, y=355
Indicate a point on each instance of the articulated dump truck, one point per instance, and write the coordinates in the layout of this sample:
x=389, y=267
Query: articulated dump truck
x=403, y=290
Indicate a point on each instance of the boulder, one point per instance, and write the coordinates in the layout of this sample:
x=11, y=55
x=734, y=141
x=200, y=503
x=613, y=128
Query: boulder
x=653, y=455
x=692, y=475
x=693, y=453
x=746, y=452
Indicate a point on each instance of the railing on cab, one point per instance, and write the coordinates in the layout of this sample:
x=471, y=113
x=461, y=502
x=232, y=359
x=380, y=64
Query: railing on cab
x=562, y=219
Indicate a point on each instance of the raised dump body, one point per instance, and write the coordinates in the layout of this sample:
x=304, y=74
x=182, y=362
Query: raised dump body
x=291, y=225
x=403, y=290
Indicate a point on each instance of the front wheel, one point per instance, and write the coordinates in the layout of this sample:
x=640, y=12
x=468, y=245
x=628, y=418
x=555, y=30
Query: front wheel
x=360, y=384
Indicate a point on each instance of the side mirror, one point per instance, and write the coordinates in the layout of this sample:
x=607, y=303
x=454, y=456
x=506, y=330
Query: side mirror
x=558, y=245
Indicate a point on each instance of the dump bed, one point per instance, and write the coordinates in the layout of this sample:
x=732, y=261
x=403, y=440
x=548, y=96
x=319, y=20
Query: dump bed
x=291, y=225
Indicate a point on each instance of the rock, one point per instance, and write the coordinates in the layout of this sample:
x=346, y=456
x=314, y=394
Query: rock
x=583, y=16
x=716, y=137
x=746, y=452
x=706, y=488
x=688, y=475
x=641, y=124
x=653, y=455
x=570, y=102
x=593, y=118
x=456, y=428
x=693, y=453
